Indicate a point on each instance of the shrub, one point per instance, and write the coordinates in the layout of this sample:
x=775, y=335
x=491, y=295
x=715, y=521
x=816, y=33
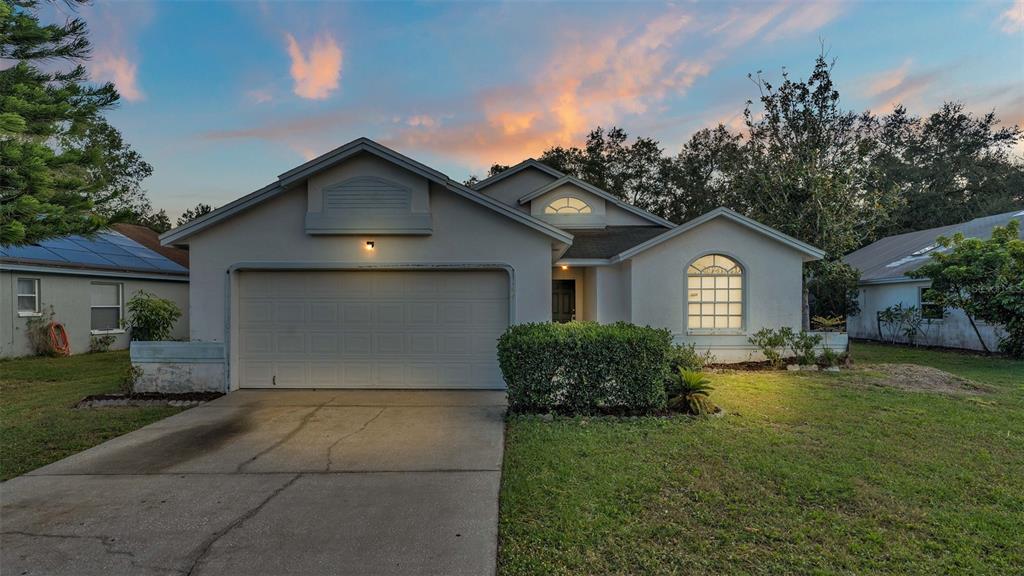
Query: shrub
x=685, y=356
x=688, y=390
x=150, y=317
x=584, y=367
x=37, y=329
x=829, y=358
x=802, y=345
x=101, y=343
x=771, y=342
x=828, y=323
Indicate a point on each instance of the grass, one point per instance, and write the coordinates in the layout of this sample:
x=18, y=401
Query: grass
x=38, y=423
x=807, y=473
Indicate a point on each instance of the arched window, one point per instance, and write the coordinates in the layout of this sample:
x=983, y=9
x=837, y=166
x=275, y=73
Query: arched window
x=714, y=293
x=567, y=205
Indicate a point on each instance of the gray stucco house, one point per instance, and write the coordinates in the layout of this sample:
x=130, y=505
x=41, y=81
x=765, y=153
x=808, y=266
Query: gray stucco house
x=884, y=265
x=364, y=268
x=87, y=282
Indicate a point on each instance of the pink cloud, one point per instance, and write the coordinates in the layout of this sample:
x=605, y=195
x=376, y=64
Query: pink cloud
x=117, y=68
x=1013, y=19
x=806, y=17
x=316, y=74
x=899, y=85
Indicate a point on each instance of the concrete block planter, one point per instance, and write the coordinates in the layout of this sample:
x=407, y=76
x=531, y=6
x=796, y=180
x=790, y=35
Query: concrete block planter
x=178, y=367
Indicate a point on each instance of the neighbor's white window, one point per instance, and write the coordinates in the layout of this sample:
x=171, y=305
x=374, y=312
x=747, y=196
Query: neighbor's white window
x=106, y=306
x=567, y=205
x=715, y=293
x=28, y=296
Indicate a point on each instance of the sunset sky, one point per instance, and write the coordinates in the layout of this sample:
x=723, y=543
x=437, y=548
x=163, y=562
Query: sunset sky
x=221, y=97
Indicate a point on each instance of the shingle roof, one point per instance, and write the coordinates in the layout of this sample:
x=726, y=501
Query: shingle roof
x=607, y=242
x=151, y=239
x=107, y=250
x=889, y=259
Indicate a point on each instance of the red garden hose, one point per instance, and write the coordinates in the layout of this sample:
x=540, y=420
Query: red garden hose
x=59, y=339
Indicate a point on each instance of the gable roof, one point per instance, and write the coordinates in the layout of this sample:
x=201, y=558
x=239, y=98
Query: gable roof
x=810, y=251
x=528, y=163
x=603, y=243
x=583, y=185
x=106, y=251
x=889, y=259
x=360, y=145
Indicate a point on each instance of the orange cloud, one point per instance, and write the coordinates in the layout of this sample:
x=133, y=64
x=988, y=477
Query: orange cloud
x=316, y=75
x=109, y=67
x=1013, y=19
x=898, y=86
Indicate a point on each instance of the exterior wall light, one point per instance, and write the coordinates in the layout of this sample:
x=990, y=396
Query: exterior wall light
x=369, y=245
x=565, y=267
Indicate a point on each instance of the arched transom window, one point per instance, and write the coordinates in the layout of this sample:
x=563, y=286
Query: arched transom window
x=715, y=293
x=567, y=205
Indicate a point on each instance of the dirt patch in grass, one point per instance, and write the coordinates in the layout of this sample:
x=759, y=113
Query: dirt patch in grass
x=919, y=378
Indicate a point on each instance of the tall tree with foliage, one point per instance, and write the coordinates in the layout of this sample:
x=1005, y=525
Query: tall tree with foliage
x=805, y=172
x=702, y=176
x=63, y=169
x=985, y=279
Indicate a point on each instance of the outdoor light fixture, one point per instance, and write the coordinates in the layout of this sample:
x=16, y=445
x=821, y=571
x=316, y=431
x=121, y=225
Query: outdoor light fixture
x=565, y=267
x=369, y=245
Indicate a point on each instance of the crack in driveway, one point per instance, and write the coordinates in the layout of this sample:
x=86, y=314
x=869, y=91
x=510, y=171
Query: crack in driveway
x=330, y=449
x=207, y=545
x=302, y=424
x=108, y=543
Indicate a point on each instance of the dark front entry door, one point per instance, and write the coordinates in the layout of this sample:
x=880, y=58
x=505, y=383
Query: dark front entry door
x=563, y=300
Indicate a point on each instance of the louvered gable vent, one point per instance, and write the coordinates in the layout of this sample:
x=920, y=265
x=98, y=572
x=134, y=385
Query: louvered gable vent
x=367, y=193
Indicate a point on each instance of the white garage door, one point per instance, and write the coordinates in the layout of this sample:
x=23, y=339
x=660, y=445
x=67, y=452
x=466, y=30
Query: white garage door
x=371, y=329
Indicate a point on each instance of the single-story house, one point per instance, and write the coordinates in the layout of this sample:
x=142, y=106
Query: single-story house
x=87, y=282
x=884, y=283
x=365, y=268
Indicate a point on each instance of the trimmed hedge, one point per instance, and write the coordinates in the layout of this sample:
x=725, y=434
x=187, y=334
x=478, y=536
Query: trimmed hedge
x=584, y=367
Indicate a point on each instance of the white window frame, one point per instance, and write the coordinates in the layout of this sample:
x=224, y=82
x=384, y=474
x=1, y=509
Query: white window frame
x=120, y=308
x=38, y=308
x=742, y=302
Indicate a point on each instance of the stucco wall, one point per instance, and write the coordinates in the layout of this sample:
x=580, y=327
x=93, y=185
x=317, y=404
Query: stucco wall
x=772, y=285
x=70, y=297
x=512, y=188
x=953, y=331
x=464, y=232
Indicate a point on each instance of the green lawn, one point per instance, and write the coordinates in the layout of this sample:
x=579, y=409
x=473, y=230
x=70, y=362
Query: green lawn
x=808, y=473
x=37, y=422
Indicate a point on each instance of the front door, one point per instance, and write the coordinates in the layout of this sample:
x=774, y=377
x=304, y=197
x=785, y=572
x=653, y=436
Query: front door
x=563, y=300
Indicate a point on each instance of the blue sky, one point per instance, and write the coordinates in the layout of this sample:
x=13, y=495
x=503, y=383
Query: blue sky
x=222, y=96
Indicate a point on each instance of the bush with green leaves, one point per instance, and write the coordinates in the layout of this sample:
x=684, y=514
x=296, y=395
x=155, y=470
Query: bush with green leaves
x=584, y=367
x=771, y=342
x=151, y=318
x=37, y=329
x=685, y=356
x=802, y=345
x=688, y=391
x=101, y=342
x=829, y=358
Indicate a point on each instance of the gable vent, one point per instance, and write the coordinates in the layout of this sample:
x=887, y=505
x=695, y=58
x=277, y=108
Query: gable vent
x=366, y=193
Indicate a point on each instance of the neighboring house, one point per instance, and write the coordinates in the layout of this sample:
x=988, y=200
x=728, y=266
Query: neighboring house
x=87, y=282
x=364, y=268
x=883, y=266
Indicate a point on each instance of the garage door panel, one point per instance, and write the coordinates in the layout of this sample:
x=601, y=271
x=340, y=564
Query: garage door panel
x=364, y=329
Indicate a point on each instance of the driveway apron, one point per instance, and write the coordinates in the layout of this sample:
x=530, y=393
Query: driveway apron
x=273, y=482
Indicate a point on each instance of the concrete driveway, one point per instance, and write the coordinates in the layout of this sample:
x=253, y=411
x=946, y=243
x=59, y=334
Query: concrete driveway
x=273, y=482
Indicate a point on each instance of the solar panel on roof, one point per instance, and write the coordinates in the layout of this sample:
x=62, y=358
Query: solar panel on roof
x=126, y=261
x=32, y=252
x=60, y=243
x=119, y=239
x=83, y=257
x=100, y=246
x=168, y=265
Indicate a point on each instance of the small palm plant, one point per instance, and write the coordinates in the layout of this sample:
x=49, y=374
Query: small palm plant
x=688, y=390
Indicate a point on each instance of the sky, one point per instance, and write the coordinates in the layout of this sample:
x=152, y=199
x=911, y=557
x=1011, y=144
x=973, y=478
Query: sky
x=221, y=97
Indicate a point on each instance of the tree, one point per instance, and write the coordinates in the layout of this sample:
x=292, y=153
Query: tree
x=804, y=170
x=701, y=177
x=60, y=160
x=949, y=167
x=494, y=171
x=637, y=172
x=193, y=213
x=985, y=279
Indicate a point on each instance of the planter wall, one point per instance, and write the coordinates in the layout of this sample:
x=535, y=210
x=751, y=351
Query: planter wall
x=177, y=367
